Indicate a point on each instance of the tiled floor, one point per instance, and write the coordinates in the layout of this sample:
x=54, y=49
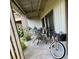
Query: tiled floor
x=40, y=51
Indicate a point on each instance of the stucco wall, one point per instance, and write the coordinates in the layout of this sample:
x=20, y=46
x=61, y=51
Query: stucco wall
x=34, y=23
x=59, y=16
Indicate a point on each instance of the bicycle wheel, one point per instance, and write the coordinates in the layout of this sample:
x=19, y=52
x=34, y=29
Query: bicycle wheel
x=58, y=52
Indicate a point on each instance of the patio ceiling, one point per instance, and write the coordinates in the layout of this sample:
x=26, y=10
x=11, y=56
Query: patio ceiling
x=32, y=8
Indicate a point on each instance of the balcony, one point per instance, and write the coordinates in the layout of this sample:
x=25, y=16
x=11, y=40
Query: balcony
x=28, y=14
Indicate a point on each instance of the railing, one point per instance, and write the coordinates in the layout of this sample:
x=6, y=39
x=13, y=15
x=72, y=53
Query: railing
x=15, y=47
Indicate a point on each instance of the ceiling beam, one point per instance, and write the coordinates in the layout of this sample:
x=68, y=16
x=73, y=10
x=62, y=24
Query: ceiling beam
x=31, y=5
x=18, y=6
x=39, y=1
x=40, y=10
x=39, y=7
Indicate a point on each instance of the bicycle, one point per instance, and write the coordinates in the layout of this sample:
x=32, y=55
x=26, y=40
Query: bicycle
x=40, y=36
x=57, y=49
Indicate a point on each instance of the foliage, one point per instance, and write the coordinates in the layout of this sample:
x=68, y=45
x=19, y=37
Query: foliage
x=23, y=38
x=20, y=33
x=28, y=38
x=23, y=45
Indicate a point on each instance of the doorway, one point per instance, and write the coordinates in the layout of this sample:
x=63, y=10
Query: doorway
x=49, y=21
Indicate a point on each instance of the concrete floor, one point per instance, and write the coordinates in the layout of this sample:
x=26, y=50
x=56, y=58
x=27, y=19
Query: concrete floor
x=40, y=51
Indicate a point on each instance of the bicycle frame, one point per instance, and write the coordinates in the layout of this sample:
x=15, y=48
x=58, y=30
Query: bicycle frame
x=55, y=41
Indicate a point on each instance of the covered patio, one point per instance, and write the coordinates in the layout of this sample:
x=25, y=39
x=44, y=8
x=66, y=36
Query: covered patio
x=48, y=14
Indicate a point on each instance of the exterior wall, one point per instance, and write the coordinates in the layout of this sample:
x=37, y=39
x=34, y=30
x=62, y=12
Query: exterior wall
x=19, y=16
x=24, y=24
x=58, y=6
x=34, y=23
x=59, y=16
